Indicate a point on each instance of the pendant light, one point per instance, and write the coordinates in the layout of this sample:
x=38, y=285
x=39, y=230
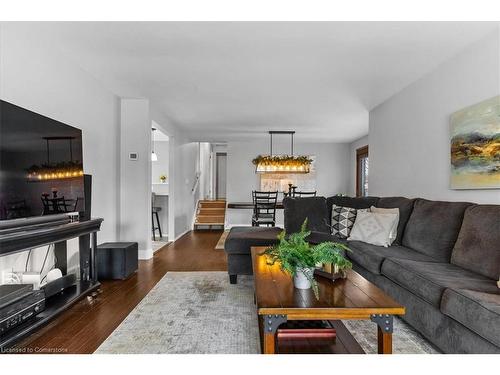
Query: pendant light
x=289, y=164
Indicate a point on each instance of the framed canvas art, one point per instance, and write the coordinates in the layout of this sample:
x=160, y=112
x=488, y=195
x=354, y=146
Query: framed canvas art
x=475, y=146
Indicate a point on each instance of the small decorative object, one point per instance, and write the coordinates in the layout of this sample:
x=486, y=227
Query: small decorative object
x=475, y=146
x=299, y=258
x=163, y=178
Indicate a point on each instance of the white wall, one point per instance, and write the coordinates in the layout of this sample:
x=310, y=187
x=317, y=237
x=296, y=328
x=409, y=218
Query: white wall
x=352, y=165
x=409, y=133
x=135, y=175
x=34, y=76
x=331, y=172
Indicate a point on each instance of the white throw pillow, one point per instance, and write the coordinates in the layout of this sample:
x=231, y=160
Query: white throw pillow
x=394, y=230
x=373, y=228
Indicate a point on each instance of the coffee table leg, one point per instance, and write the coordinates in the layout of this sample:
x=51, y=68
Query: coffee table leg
x=270, y=326
x=384, y=342
x=384, y=332
x=270, y=343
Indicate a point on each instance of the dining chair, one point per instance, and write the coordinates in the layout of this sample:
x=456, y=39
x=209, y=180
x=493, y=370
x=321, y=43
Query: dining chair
x=264, y=208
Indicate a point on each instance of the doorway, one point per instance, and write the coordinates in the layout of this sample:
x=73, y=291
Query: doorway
x=161, y=210
x=220, y=175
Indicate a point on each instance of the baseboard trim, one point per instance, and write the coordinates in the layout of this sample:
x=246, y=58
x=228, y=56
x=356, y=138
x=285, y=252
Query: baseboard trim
x=182, y=234
x=145, y=254
x=229, y=226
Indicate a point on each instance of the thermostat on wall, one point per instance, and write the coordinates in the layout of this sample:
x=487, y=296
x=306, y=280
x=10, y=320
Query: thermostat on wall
x=133, y=156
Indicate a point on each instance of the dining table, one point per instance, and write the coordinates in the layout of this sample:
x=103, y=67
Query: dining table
x=249, y=205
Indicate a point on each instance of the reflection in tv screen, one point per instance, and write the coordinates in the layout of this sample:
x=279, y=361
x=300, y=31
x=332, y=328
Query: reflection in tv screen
x=41, y=166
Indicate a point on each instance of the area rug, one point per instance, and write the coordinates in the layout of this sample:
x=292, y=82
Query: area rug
x=200, y=312
x=190, y=312
x=405, y=340
x=222, y=240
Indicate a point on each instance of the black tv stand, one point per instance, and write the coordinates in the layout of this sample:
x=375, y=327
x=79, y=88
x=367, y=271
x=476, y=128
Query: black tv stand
x=25, y=238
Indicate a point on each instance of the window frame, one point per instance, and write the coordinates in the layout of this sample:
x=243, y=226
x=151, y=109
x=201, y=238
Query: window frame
x=361, y=153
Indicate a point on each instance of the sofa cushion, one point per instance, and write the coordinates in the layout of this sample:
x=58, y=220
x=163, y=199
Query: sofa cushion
x=405, y=206
x=241, y=239
x=318, y=237
x=478, y=244
x=358, y=203
x=478, y=311
x=433, y=227
x=428, y=280
x=371, y=257
x=296, y=210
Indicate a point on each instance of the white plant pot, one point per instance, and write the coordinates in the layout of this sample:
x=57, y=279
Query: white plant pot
x=300, y=281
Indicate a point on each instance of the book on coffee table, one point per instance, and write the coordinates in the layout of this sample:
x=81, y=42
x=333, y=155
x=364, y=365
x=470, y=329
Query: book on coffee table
x=306, y=329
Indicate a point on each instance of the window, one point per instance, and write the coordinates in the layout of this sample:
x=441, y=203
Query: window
x=362, y=172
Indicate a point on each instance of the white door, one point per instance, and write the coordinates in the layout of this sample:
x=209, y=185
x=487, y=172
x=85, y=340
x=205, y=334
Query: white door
x=221, y=162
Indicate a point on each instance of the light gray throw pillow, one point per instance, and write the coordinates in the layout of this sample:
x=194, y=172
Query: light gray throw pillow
x=373, y=228
x=394, y=230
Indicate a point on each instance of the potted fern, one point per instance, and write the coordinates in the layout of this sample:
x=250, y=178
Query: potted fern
x=299, y=258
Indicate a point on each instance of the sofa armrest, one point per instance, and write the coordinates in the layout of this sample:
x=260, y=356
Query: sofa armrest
x=296, y=210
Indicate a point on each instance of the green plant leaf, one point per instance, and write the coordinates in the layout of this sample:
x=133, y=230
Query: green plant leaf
x=293, y=252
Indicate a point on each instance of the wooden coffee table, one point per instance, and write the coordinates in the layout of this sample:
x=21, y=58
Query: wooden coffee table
x=351, y=298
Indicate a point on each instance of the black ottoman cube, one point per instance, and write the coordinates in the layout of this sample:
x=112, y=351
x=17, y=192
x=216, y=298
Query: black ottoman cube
x=238, y=244
x=117, y=260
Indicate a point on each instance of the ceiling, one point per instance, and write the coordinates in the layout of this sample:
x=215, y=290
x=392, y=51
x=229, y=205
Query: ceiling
x=223, y=81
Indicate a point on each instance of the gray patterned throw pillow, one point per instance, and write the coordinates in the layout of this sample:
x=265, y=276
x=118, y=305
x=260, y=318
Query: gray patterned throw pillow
x=343, y=219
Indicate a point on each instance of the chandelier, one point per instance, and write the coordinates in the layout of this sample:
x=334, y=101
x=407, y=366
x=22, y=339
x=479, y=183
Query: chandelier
x=282, y=163
x=56, y=171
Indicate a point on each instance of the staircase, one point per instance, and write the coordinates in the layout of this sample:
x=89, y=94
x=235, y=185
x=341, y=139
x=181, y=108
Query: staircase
x=210, y=214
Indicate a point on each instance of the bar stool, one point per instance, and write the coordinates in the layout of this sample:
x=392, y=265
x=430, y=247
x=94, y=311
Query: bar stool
x=154, y=213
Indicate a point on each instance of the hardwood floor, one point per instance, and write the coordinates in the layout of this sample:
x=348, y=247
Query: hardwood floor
x=82, y=328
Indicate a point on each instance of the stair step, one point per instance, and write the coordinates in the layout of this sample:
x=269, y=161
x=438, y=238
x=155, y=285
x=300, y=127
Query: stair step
x=212, y=211
x=212, y=204
x=210, y=219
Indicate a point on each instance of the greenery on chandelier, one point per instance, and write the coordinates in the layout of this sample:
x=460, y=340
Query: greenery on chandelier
x=282, y=159
x=293, y=253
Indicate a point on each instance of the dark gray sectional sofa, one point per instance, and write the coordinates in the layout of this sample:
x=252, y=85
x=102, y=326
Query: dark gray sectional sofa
x=443, y=265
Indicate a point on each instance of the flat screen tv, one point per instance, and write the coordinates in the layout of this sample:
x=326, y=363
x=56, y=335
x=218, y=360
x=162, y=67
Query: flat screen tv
x=41, y=165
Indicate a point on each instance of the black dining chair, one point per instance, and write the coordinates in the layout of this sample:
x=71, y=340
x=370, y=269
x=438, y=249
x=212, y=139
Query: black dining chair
x=16, y=209
x=67, y=205
x=53, y=205
x=264, y=208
